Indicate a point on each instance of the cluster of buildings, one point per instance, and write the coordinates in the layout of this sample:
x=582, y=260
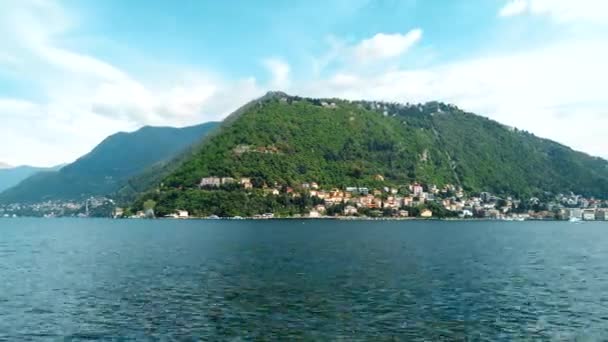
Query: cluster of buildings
x=93, y=206
x=421, y=200
x=403, y=201
x=215, y=182
x=360, y=200
x=589, y=214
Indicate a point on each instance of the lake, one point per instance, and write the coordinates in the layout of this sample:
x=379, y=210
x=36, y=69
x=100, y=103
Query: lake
x=88, y=279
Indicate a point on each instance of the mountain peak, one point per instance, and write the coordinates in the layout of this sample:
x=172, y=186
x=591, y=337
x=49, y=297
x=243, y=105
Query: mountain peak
x=5, y=166
x=275, y=94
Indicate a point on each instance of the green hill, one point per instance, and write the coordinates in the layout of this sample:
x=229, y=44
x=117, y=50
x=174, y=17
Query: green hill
x=287, y=140
x=109, y=166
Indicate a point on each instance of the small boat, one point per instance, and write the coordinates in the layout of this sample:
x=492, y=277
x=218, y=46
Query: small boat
x=574, y=219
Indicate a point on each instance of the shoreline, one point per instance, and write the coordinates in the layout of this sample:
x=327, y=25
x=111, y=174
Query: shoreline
x=305, y=219
x=331, y=218
x=322, y=218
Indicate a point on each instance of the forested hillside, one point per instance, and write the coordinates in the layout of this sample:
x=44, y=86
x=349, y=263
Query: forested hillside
x=287, y=140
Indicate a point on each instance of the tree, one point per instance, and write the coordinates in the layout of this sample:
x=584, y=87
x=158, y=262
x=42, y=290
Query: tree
x=149, y=205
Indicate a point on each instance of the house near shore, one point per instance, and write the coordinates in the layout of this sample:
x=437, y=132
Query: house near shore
x=183, y=214
x=314, y=214
x=426, y=213
x=601, y=215
x=320, y=208
x=403, y=213
x=589, y=214
x=118, y=212
x=350, y=210
x=576, y=213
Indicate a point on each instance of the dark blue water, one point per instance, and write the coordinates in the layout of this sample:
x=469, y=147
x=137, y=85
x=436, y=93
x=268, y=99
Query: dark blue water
x=311, y=280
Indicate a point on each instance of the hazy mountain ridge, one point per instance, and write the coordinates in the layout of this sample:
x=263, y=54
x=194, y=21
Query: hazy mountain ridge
x=11, y=176
x=109, y=165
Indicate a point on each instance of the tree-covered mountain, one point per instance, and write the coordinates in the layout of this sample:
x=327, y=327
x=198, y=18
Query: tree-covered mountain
x=11, y=176
x=286, y=140
x=109, y=165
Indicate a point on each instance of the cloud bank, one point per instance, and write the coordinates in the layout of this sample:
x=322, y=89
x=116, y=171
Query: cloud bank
x=554, y=89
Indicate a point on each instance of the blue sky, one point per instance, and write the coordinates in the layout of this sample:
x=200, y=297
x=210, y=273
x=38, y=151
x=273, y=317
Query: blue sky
x=73, y=72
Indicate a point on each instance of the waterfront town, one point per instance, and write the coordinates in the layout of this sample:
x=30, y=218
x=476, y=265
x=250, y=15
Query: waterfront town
x=418, y=200
x=415, y=200
x=90, y=207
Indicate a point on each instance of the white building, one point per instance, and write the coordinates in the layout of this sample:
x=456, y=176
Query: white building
x=210, y=181
x=576, y=213
x=350, y=210
x=246, y=183
x=228, y=180
x=314, y=214
x=589, y=214
x=416, y=189
x=466, y=213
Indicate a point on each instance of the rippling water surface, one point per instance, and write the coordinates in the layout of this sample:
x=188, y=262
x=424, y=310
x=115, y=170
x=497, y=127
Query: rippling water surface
x=311, y=280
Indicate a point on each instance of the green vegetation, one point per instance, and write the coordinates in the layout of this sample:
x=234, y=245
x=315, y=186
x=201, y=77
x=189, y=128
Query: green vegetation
x=291, y=143
x=285, y=141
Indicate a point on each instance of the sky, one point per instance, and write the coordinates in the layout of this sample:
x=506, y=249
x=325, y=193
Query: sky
x=73, y=72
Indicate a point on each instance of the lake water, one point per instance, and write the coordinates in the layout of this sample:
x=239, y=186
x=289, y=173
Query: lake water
x=79, y=279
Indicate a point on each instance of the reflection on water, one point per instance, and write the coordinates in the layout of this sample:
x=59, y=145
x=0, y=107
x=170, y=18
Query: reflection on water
x=314, y=280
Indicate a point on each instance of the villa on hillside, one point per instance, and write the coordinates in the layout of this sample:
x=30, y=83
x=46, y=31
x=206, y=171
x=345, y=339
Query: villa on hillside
x=246, y=183
x=210, y=181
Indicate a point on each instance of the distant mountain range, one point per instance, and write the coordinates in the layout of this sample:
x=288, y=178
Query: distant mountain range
x=11, y=176
x=287, y=140
x=108, y=167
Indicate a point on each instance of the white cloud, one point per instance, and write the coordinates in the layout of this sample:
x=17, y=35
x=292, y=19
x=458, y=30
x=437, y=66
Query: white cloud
x=370, y=54
x=562, y=11
x=383, y=46
x=513, y=7
x=78, y=99
x=555, y=91
x=44, y=134
x=279, y=70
